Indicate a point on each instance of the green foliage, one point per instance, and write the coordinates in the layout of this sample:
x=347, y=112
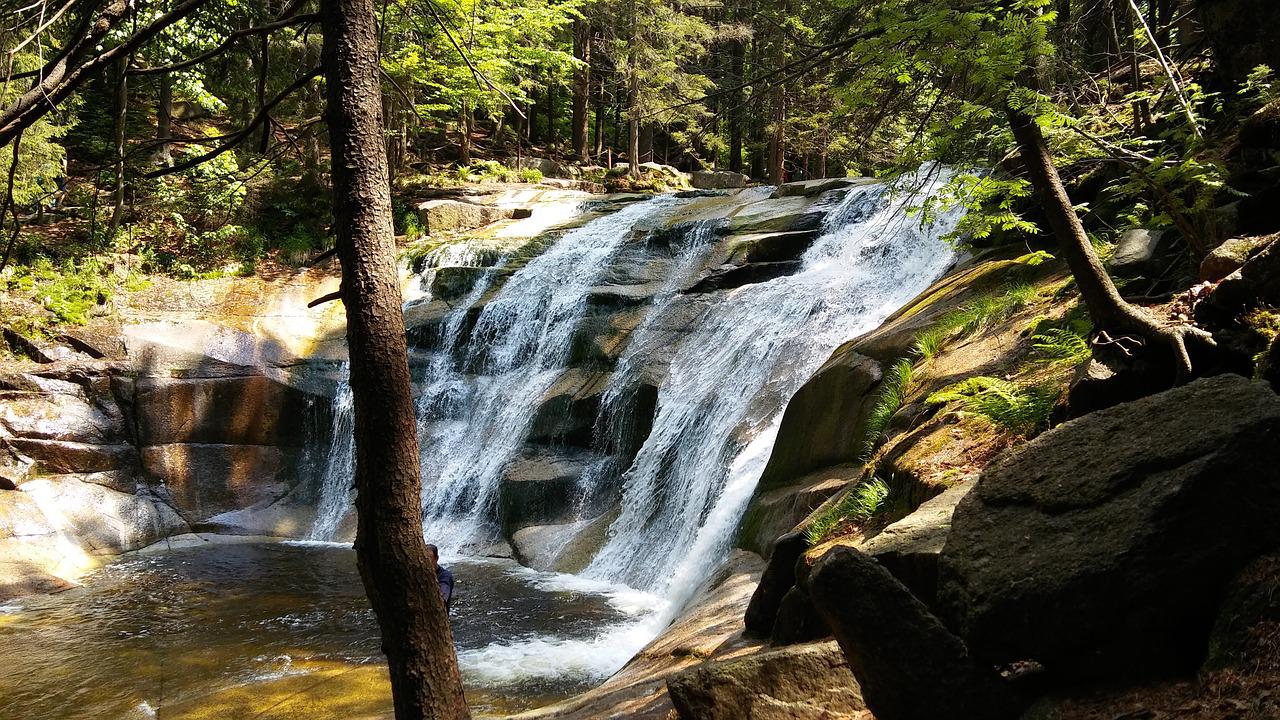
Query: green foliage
x=1018, y=409
x=981, y=313
x=1260, y=87
x=288, y=213
x=1061, y=345
x=72, y=292
x=857, y=506
x=893, y=390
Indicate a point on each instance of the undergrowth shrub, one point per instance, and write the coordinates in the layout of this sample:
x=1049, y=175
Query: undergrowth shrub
x=1061, y=345
x=71, y=291
x=859, y=505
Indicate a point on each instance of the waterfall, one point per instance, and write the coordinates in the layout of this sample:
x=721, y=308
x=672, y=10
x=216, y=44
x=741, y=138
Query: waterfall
x=337, y=475
x=720, y=406
x=475, y=424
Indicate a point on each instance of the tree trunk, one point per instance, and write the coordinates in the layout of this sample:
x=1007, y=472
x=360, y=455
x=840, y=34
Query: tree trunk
x=164, y=119
x=264, y=61
x=778, y=139
x=581, y=88
x=646, y=143
x=737, y=55
x=551, y=117
x=464, y=134
x=398, y=574
x=122, y=116
x=601, y=110
x=633, y=117
x=1109, y=312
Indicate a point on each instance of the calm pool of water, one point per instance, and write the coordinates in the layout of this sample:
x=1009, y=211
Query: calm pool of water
x=284, y=631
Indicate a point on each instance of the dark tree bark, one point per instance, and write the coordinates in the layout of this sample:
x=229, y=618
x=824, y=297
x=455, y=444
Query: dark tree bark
x=397, y=571
x=581, y=88
x=1109, y=311
x=121, y=127
x=551, y=116
x=633, y=116
x=264, y=69
x=778, y=136
x=646, y=143
x=601, y=109
x=737, y=76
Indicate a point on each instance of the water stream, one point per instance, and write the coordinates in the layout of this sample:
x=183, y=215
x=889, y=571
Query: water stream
x=196, y=632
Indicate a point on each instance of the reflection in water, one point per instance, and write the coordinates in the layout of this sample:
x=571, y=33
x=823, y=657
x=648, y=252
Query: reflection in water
x=270, y=631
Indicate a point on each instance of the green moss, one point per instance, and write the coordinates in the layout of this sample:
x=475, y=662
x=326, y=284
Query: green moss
x=973, y=316
x=71, y=292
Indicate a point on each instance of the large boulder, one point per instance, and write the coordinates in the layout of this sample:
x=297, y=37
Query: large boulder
x=58, y=416
x=768, y=247
x=1135, y=251
x=540, y=488
x=909, y=665
x=567, y=547
x=718, y=180
x=1257, y=282
x=804, y=188
x=777, y=215
x=910, y=547
x=1231, y=256
x=102, y=520
x=34, y=558
x=779, y=576
x=444, y=216
x=64, y=456
x=245, y=410
x=202, y=481
x=824, y=422
x=1105, y=543
x=568, y=409
x=774, y=512
x=804, y=682
x=1247, y=629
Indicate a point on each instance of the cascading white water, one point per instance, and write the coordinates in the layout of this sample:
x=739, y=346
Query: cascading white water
x=336, y=476
x=475, y=424
x=720, y=406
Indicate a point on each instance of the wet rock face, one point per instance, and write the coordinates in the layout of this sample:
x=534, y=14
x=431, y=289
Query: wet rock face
x=718, y=180
x=822, y=425
x=805, y=682
x=1103, y=545
x=441, y=216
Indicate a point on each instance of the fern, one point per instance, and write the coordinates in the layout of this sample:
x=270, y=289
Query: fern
x=861, y=504
x=893, y=390
x=1063, y=345
x=1018, y=409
